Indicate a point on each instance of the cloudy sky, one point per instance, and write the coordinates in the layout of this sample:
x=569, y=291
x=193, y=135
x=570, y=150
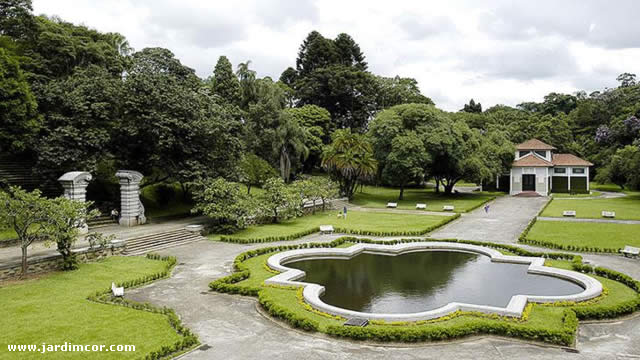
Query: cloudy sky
x=495, y=51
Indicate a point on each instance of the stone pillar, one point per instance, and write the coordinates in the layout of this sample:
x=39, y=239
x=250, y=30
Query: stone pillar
x=131, y=210
x=75, y=188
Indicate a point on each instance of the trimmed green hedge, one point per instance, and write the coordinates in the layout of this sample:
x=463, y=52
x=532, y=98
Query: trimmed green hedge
x=189, y=339
x=565, y=336
x=239, y=240
x=552, y=245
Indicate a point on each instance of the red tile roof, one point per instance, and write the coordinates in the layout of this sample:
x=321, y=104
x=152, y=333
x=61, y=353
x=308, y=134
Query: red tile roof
x=569, y=160
x=532, y=160
x=534, y=144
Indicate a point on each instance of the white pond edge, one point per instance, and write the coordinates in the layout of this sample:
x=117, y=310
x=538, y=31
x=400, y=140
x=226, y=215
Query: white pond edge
x=312, y=292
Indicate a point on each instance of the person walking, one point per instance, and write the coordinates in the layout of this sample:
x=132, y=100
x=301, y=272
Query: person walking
x=486, y=208
x=344, y=212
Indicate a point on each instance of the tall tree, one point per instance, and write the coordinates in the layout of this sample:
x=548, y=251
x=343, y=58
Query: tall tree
x=316, y=122
x=472, y=107
x=225, y=83
x=349, y=159
x=19, y=119
x=396, y=90
x=406, y=162
x=16, y=19
x=289, y=144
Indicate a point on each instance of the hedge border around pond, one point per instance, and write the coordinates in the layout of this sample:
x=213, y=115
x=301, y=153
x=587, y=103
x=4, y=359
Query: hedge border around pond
x=412, y=333
x=189, y=339
x=290, y=237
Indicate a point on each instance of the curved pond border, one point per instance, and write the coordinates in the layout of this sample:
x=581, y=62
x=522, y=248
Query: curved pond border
x=312, y=292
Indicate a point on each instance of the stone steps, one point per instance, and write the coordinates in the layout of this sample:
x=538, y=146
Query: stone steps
x=153, y=242
x=100, y=222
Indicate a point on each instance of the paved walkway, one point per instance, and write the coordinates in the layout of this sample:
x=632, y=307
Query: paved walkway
x=603, y=221
x=13, y=254
x=234, y=329
x=508, y=216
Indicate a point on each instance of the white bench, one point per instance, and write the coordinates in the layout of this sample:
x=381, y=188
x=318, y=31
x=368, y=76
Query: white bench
x=326, y=229
x=448, y=208
x=609, y=214
x=117, y=291
x=392, y=205
x=569, y=213
x=421, y=206
x=630, y=251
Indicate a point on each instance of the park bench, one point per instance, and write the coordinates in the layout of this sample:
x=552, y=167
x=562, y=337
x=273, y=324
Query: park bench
x=608, y=214
x=117, y=291
x=326, y=229
x=421, y=206
x=392, y=205
x=630, y=251
x=448, y=208
x=569, y=213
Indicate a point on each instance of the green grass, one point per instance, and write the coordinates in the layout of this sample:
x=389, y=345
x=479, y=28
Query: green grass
x=604, y=187
x=356, y=220
x=548, y=317
x=378, y=197
x=596, y=235
x=627, y=207
x=54, y=309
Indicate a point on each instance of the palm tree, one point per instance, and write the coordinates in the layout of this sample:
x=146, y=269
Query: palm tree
x=350, y=159
x=289, y=143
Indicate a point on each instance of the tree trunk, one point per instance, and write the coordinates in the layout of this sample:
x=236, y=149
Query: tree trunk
x=401, y=193
x=437, y=185
x=313, y=209
x=25, y=266
x=248, y=189
x=448, y=188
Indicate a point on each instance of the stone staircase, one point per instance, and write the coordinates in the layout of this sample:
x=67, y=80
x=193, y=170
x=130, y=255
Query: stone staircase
x=100, y=222
x=158, y=241
x=18, y=172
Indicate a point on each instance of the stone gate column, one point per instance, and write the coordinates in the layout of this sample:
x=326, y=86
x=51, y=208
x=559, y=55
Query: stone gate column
x=75, y=188
x=131, y=210
x=75, y=185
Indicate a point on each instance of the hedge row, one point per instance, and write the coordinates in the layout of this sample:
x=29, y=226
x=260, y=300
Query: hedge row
x=299, y=234
x=565, y=336
x=579, y=248
x=281, y=312
x=189, y=339
x=391, y=332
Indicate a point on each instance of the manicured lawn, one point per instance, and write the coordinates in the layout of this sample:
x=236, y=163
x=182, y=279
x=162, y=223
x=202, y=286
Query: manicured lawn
x=597, y=235
x=378, y=197
x=54, y=310
x=540, y=317
x=627, y=207
x=356, y=220
x=604, y=187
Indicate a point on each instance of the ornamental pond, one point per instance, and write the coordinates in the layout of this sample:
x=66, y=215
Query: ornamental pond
x=425, y=280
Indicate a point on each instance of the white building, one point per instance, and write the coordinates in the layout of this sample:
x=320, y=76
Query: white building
x=538, y=171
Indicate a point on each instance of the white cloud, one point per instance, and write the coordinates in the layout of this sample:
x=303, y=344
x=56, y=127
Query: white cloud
x=497, y=52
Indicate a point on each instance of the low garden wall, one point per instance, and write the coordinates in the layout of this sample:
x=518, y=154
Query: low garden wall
x=48, y=263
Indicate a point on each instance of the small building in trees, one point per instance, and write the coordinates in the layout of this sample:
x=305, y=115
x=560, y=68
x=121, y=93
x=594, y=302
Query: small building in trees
x=537, y=170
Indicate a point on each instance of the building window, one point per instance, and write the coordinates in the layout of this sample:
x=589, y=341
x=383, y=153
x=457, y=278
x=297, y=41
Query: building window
x=578, y=171
x=523, y=153
x=542, y=153
x=559, y=170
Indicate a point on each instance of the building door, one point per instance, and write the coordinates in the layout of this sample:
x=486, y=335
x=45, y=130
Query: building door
x=528, y=182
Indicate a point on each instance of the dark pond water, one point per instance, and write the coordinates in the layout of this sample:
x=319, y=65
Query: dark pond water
x=424, y=281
